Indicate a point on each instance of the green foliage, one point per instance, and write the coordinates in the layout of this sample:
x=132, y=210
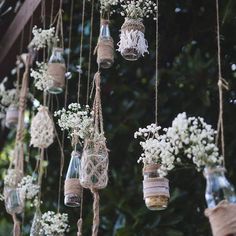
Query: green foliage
x=188, y=82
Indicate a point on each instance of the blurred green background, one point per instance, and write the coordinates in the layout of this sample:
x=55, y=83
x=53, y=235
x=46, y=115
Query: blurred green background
x=188, y=82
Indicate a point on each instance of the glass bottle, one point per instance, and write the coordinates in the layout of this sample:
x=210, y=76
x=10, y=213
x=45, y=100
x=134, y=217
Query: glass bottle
x=72, y=183
x=56, y=70
x=105, y=57
x=218, y=188
x=14, y=202
x=12, y=116
x=36, y=225
x=156, y=188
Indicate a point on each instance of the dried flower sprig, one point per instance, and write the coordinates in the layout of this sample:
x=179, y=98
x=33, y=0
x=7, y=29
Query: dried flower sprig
x=43, y=38
x=78, y=121
x=42, y=80
x=107, y=5
x=54, y=223
x=138, y=9
x=188, y=139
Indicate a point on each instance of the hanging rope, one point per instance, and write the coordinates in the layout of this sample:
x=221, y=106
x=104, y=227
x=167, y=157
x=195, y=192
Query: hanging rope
x=222, y=84
x=51, y=14
x=81, y=48
x=90, y=50
x=157, y=62
x=96, y=219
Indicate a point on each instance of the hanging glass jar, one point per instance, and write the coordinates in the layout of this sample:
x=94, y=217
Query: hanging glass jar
x=12, y=116
x=72, y=183
x=94, y=165
x=56, y=71
x=221, y=201
x=155, y=189
x=132, y=44
x=105, y=46
x=14, y=200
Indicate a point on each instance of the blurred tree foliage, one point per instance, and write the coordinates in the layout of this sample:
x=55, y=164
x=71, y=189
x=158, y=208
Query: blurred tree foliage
x=188, y=82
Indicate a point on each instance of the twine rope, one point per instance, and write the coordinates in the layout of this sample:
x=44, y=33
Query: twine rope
x=81, y=48
x=157, y=63
x=90, y=51
x=16, y=227
x=222, y=84
x=95, y=212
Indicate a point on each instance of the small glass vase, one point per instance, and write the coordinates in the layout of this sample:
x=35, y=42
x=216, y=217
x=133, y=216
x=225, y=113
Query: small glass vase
x=36, y=225
x=72, y=186
x=56, y=70
x=218, y=188
x=12, y=116
x=94, y=165
x=155, y=188
x=14, y=200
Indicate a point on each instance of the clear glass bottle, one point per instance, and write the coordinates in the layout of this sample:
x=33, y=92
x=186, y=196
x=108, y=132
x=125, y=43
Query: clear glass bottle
x=14, y=201
x=131, y=54
x=72, y=183
x=159, y=189
x=105, y=57
x=36, y=225
x=57, y=70
x=218, y=188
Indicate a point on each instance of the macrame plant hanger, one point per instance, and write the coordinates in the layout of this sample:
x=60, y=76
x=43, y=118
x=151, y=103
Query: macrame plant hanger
x=222, y=217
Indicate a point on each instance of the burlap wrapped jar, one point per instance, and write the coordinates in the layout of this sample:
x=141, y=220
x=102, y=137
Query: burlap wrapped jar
x=105, y=47
x=155, y=188
x=12, y=116
x=222, y=219
x=56, y=71
x=132, y=43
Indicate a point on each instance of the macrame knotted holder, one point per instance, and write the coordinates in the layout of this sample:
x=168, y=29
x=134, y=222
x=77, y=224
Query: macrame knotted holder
x=42, y=129
x=132, y=42
x=94, y=162
x=222, y=219
x=105, y=50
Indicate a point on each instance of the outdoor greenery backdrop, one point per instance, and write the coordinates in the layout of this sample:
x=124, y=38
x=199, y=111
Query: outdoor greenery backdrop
x=188, y=82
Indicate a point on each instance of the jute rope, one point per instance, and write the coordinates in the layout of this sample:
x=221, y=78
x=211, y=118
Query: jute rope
x=222, y=84
x=16, y=227
x=96, y=219
x=133, y=24
x=72, y=186
x=157, y=80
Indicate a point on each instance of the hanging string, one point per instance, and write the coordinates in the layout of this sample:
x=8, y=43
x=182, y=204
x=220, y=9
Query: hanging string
x=157, y=81
x=51, y=14
x=90, y=50
x=31, y=27
x=22, y=41
x=222, y=84
x=81, y=48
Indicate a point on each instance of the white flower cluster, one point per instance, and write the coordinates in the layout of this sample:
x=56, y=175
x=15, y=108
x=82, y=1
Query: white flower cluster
x=188, y=139
x=54, y=224
x=9, y=97
x=138, y=9
x=42, y=80
x=106, y=5
x=76, y=120
x=12, y=177
x=28, y=187
x=42, y=37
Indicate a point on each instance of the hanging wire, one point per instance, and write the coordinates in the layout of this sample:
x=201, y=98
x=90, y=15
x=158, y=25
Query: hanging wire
x=81, y=48
x=90, y=50
x=157, y=63
x=222, y=84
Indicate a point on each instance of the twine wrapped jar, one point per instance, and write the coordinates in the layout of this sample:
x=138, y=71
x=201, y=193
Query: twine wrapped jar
x=105, y=46
x=94, y=165
x=132, y=42
x=155, y=189
x=12, y=116
x=56, y=71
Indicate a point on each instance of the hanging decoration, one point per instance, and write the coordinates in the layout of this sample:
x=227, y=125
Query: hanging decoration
x=42, y=129
x=94, y=162
x=220, y=194
x=56, y=64
x=132, y=42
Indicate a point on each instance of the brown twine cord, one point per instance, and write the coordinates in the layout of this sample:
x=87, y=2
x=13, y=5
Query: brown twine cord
x=157, y=80
x=96, y=219
x=81, y=48
x=222, y=84
x=90, y=51
x=72, y=186
x=132, y=24
x=150, y=168
x=16, y=228
x=222, y=218
x=51, y=14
